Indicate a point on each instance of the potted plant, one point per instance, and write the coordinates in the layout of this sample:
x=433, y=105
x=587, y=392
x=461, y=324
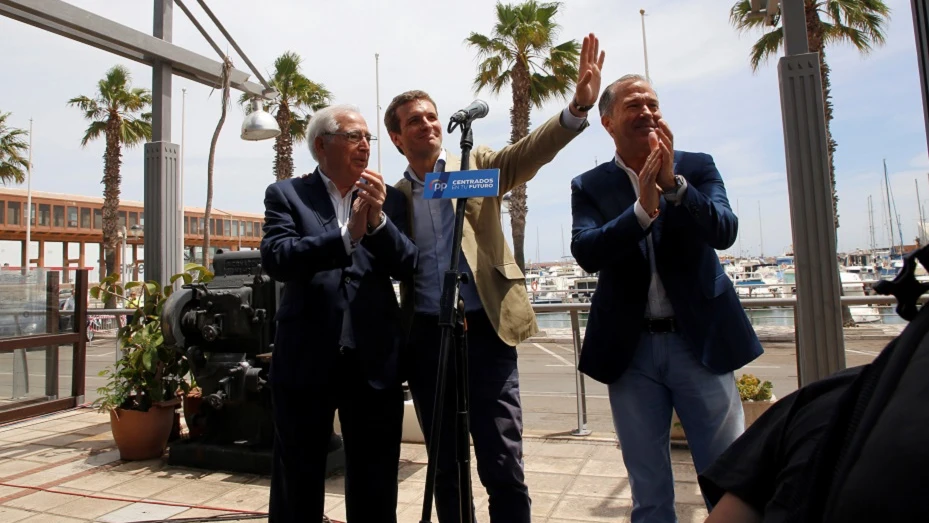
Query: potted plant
x=756, y=397
x=141, y=390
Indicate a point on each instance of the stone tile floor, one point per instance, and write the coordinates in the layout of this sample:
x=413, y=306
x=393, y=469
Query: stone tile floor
x=65, y=468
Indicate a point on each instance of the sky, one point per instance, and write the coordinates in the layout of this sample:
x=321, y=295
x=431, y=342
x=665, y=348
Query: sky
x=698, y=63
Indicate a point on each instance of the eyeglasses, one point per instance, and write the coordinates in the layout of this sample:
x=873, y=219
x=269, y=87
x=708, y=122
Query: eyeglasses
x=354, y=136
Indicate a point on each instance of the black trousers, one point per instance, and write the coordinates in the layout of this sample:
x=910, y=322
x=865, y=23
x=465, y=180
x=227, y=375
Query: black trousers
x=372, y=422
x=496, y=423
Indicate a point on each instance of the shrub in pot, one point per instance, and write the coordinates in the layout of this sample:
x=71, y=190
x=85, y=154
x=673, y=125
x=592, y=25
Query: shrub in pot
x=141, y=390
x=756, y=397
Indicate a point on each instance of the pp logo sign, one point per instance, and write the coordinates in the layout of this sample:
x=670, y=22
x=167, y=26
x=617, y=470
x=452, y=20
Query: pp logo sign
x=462, y=184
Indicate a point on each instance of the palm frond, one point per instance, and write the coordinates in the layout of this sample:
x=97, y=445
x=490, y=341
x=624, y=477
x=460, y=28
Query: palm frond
x=96, y=129
x=766, y=47
x=134, y=131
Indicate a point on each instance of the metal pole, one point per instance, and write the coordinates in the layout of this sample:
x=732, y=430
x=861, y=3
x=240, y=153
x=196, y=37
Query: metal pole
x=122, y=258
x=919, y=209
x=581, y=394
x=645, y=46
x=180, y=208
x=921, y=29
x=760, y=230
x=820, y=341
x=162, y=228
x=29, y=201
x=377, y=95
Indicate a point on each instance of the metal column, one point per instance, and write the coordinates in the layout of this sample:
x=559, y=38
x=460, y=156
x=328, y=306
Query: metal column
x=162, y=184
x=921, y=28
x=820, y=341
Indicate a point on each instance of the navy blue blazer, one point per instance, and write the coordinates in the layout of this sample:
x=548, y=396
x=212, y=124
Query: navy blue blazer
x=303, y=248
x=607, y=238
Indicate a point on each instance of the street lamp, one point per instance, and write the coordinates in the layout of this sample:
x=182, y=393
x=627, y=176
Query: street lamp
x=259, y=124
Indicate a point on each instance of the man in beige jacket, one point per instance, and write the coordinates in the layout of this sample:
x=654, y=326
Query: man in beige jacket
x=497, y=307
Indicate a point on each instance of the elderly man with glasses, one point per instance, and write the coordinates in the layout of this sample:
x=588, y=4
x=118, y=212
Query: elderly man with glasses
x=333, y=238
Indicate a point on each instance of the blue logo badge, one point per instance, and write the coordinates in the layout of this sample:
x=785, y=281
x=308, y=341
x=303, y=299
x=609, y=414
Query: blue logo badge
x=462, y=184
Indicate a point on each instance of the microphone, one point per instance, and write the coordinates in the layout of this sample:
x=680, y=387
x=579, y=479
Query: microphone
x=477, y=109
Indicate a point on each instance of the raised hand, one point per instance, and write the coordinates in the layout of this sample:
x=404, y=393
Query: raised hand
x=358, y=222
x=648, y=189
x=589, y=72
x=666, y=174
x=374, y=193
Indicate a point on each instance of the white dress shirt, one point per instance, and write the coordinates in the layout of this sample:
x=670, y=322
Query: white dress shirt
x=343, y=210
x=659, y=306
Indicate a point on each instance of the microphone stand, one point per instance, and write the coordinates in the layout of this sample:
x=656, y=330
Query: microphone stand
x=453, y=329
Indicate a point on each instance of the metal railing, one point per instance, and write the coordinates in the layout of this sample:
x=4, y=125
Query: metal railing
x=574, y=309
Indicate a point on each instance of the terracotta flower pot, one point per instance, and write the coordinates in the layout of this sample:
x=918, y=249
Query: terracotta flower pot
x=142, y=435
x=752, y=410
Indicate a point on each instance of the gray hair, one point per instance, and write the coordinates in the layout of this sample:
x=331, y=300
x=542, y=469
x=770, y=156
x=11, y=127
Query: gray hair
x=324, y=121
x=608, y=98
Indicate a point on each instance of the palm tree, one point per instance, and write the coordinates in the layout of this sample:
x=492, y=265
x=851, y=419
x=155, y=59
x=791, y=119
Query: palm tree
x=858, y=22
x=298, y=96
x=13, y=152
x=521, y=53
x=226, y=79
x=117, y=112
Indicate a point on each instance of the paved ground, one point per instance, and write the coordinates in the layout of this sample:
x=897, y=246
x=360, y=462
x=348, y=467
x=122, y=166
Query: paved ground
x=64, y=469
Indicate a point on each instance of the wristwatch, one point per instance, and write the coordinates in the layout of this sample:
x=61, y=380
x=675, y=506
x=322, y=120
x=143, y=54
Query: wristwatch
x=678, y=183
x=379, y=222
x=579, y=107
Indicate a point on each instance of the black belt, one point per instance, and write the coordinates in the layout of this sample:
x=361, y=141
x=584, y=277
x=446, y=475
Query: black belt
x=659, y=325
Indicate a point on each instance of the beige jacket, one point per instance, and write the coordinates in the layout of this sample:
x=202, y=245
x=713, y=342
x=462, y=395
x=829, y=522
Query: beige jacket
x=500, y=284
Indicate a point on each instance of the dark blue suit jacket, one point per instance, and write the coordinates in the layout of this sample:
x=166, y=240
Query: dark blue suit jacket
x=607, y=238
x=302, y=247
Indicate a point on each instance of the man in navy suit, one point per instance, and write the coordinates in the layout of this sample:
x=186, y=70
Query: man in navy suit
x=333, y=237
x=666, y=328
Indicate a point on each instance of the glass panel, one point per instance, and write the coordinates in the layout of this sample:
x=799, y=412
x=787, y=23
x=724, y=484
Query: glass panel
x=2, y=212
x=248, y=228
x=72, y=216
x=186, y=226
x=226, y=228
x=194, y=225
x=58, y=216
x=122, y=219
x=202, y=225
x=98, y=219
x=241, y=228
x=234, y=227
x=212, y=227
x=258, y=231
x=133, y=219
x=13, y=216
x=31, y=217
x=45, y=214
x=85, y=218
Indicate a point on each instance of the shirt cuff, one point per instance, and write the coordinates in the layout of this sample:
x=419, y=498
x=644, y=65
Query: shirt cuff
x=569, y=121
x=380, y=226
x=347, y=241
x=642, y=216
x=677, y=195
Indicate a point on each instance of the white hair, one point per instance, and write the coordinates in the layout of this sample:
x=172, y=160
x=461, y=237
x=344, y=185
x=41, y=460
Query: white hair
x=324, y=121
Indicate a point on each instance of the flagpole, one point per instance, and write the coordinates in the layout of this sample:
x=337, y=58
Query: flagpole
x=377, y=87
x=28, y=201
x=645, y=46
